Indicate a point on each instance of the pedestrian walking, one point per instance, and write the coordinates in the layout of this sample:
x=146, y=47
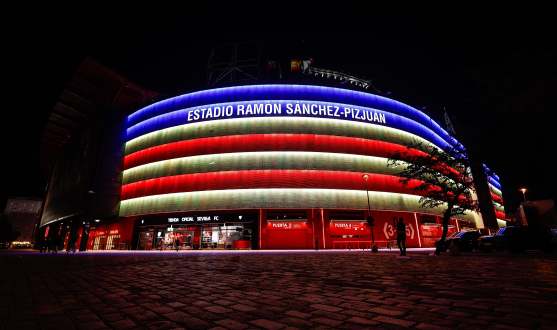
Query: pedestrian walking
x=401, y=236
x=316, y=243
x=55, y=244
x=72, y=244
x=178, y=242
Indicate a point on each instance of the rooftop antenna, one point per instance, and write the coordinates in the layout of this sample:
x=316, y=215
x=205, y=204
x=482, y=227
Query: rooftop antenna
x=450, y=127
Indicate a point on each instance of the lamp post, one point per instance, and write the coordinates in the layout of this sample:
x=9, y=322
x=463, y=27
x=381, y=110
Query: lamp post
x=373, y=246
x=523, y=193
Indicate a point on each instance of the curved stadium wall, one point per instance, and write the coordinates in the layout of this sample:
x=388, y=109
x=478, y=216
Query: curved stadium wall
x=269, y=147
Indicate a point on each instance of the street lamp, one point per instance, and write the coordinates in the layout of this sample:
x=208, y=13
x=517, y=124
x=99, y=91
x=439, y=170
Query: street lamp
x=373, y=246
x=523, y=193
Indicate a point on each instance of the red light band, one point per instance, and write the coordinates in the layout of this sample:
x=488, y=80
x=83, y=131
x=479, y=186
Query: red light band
x=264, y=179
x=261, y=142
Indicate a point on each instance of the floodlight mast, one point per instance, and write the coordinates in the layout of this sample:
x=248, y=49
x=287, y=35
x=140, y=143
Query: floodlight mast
x=343, y=77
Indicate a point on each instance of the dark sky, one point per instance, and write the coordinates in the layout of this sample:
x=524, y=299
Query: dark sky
x=493, y=68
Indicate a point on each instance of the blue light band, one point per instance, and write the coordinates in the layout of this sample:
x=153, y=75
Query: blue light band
x=306, y=93
x=337, y=112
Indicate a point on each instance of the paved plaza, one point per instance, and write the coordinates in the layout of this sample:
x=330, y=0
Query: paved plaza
x=277, y=290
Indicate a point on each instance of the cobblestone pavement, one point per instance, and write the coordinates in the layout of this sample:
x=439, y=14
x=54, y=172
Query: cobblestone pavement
x=276, y=290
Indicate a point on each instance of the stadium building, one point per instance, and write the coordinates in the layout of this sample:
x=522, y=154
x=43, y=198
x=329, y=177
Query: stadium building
x=260, y=166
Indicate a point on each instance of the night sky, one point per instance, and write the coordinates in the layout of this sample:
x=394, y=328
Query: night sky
x=494, y=68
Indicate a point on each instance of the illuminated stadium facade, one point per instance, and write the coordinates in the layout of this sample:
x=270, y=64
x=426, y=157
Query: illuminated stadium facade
x=269, y=167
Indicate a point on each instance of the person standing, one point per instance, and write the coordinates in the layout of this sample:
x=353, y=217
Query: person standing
x=43, y=245
x=178, y=242
x=161, y=244
x=47, y=244
x=401, y=236
x=75, y=239
x=56, y=244
x=316, y=243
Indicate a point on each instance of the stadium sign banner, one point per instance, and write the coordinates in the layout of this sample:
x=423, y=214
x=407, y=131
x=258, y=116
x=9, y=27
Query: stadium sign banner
x=285, y=108
x=201, y=219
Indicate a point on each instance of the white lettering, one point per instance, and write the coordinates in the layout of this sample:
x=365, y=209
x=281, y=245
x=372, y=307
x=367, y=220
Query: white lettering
x=258, y=109
x=369, y=115
x=324, y=109
x=268, y=108
x=289, y=109
x=329, y=111
x=313, y=106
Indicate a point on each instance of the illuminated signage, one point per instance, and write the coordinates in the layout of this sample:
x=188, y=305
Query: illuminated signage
x=208, y=219
x=286, y=225
x=348, y=225
x=282, y=108
x=102, y=233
